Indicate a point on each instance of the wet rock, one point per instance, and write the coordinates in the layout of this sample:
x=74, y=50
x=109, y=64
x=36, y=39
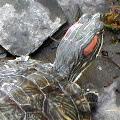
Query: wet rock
x=26, y=24
x=71, y=9
x=112, y=46
x=46, y=52
x=92, y=6
x=108, y=107
x=74, y=8
x=101, y=73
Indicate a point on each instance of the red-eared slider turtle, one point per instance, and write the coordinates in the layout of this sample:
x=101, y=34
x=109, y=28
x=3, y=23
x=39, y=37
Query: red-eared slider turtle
x=30, y=90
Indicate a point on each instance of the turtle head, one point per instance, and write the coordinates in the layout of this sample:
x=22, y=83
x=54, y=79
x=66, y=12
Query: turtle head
x=79, y=46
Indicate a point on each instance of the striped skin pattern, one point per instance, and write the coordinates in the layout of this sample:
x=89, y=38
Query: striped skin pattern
x=31, y=90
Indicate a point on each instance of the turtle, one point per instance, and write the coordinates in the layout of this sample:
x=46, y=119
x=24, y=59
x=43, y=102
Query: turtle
x=32, y=90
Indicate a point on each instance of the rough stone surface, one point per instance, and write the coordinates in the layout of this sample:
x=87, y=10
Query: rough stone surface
x=74, y=8
x=71, y=9
x=101, y=73
x=92, y=6
x=109, y=103
x=26, y=24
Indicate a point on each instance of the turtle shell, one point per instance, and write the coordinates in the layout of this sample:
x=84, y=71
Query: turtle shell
x=28, y=93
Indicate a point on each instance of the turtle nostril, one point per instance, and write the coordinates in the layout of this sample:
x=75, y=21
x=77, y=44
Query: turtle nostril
x=117, y=91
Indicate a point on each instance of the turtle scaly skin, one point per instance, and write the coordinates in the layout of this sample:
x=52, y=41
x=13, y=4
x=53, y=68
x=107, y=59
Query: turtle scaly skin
x=31, y=90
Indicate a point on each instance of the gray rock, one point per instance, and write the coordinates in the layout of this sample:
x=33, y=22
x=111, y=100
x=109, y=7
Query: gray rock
x=71, y=9
x=93, y=6
x=74, y=8
x=109, y=103
x=26, y=24
x=101, y=73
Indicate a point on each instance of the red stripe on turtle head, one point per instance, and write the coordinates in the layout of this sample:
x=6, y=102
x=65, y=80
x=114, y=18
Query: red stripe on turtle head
x=91, y=47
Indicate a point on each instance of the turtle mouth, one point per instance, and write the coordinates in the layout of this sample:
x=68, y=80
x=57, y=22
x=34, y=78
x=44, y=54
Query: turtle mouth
x=86, y=61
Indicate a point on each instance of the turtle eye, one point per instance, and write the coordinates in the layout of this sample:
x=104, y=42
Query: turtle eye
x=91, y=46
